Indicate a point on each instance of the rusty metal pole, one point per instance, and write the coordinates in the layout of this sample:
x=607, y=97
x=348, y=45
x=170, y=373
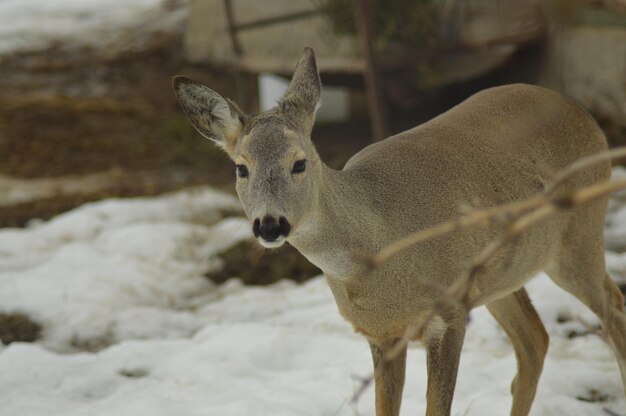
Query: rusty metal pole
x=375, y=99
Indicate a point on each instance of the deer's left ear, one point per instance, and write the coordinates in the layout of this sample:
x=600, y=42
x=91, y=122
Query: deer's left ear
x=215, y=117
x=302, y=98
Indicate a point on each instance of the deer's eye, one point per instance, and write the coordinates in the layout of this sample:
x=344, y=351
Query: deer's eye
x=242, y=171
x=299, y=166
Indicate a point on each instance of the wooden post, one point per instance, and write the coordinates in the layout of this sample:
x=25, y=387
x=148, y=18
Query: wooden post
x=246, y=84
x=230, y=19
x=375, y=99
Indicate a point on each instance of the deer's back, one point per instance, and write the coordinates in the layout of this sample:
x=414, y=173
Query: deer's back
x=500, y=145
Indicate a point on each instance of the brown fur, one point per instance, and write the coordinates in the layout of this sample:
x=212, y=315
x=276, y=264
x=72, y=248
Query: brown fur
x=501, y=145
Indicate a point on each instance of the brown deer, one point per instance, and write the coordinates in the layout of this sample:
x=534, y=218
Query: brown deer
x=498, y=146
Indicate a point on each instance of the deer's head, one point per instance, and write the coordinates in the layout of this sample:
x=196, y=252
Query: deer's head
x=277, y=167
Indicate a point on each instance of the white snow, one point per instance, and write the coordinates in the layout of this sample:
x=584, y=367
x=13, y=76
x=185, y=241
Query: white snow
x=33, y=25
x=119, y=268
x=132, y=327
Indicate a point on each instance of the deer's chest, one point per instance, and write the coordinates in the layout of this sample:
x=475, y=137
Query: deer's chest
x=373, y=310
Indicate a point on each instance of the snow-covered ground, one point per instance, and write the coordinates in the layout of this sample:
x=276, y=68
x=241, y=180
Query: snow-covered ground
x=33, y=25
x=132, y=327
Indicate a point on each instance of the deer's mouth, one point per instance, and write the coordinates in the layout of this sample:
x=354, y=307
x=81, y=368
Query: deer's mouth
x=272, y=244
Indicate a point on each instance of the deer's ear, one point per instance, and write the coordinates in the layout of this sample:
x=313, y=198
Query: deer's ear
x=215, y=117
x=302, y=98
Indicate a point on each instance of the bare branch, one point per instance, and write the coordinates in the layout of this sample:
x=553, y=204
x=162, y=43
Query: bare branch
x=610, y=412
x=519, y=217
x=499, y=213
x=365, y=383
x=458, y=292
x=485, y=216
x=582, y=164
x=593, y=330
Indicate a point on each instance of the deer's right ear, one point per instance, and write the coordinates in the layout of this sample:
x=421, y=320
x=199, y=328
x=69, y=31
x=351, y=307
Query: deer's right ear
x=215, y=117
x=302, y=98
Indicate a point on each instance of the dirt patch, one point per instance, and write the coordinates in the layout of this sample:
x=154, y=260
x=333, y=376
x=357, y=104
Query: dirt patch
x=133, y=373
x=255, y=265
x=18, y=327
x=94, y=344
x=594, y=396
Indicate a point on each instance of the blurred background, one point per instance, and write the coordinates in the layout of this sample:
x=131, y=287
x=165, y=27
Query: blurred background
x=87, y=110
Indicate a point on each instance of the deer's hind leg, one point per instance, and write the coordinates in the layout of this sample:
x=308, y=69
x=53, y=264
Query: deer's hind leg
x=443, y=340
x=580, y=270
x=517, y=316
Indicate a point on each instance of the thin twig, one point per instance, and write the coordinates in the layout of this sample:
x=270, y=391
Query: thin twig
x=601, y=333
x=610, y=412
x=582, y=164
x=478, y=217
x=520, y=216
x=459, y=290
x=365, y=383
x=499, y=213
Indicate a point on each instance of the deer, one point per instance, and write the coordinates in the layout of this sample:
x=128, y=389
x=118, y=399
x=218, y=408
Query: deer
x=500, y=145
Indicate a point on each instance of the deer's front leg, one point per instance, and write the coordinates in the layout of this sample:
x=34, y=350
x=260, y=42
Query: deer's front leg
x=388, y=378
x=443, y=340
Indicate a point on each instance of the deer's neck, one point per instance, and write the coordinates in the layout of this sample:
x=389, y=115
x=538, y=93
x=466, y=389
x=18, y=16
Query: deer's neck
x=340, y=227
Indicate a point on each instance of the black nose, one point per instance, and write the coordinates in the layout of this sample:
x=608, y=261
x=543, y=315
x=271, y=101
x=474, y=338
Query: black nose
x=269, y=229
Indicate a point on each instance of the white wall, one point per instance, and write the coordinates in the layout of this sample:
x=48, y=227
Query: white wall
x=335, y=100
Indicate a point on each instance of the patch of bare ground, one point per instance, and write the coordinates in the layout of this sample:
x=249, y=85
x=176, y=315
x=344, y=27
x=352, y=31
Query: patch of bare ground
x=254, y=265
x=18, y=327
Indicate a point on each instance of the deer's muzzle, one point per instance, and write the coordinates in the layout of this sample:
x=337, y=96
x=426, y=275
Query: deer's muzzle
x=271, y=230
